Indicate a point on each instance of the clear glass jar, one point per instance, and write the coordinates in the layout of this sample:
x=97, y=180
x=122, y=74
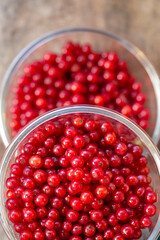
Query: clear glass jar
x=123, y=124
x=138, y=64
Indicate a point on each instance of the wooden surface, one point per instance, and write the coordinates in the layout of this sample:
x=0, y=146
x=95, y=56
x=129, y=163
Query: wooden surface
x=23, y=21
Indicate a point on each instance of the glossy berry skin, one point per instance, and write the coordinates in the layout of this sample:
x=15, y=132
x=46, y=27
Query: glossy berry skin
x=15, y=215
x=27, y=196
x=97, y=173
x=97, y=203
x=78, y=141
x=76, y=186
x=115, y=161
x=11, y=203
x=57, y=202
x=32, y=226
x=48, y=163
x=89, y=230
x=26, y=235
x=16, y=169
x=35, y=161
x=76, y=204
x=80, y=178
x=150, y=210
x=12, y=182
x=108, y=234
x=86, y=197
x=112, y=220
x=96, y=215
x=101, y=192
x=118, y=196
x=50, y=234
x=38, y=234
x=110, y=138
x=102, y=225
x=122, y=214
x=127, y=231
x=77, y=229
x=145, y=222
x=53, y=213
x=67, y=226
x=135, y=223
x=41, y=200
x=29, y=214
x=77, y=162
x=133, y=201
x=40, y=176
x=47, y=190
x=132, y=180
x=72, y=216
x=19, y=227
x=120, y=148
x=28, y=182
x=53, y=180
x=49, y=223
x=41, y=212
x=150, y=197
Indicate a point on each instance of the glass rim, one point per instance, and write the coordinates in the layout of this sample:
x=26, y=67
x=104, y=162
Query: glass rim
x=138, y=54
x=58, y=112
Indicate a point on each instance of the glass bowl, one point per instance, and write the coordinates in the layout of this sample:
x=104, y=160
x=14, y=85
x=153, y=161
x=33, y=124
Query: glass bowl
x=123, y=124
x=138, y=64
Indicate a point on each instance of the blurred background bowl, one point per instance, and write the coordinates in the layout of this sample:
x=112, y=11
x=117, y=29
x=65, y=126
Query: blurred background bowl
x=138, y=64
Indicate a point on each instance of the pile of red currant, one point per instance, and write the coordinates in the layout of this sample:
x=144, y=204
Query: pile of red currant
x=77, y=76
x=79, y=179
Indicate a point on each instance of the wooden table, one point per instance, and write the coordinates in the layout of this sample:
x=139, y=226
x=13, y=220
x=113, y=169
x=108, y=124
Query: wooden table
x=23, y=21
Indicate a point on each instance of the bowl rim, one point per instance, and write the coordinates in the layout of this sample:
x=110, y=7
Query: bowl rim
x=75, y=109
x=54, y=34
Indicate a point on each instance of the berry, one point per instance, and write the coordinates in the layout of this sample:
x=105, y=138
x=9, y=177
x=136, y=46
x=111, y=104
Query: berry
x=77, y=162
x=27, y=196
x=145, y=222
x=53, y=180
x=40, y=176
x=49, y=223
x=35, y=161
x=122, y=214
x=72, y=216
x=150, y=210
x=89, y=230
x=26, y=235
x=15, y=215
x=127, y=231
x=41, y=200
x=96, y=215
x=133, y=201
x=86, y=197
x=76, y=204
x=110, y=138
x=101, y=192
x=29, y=214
